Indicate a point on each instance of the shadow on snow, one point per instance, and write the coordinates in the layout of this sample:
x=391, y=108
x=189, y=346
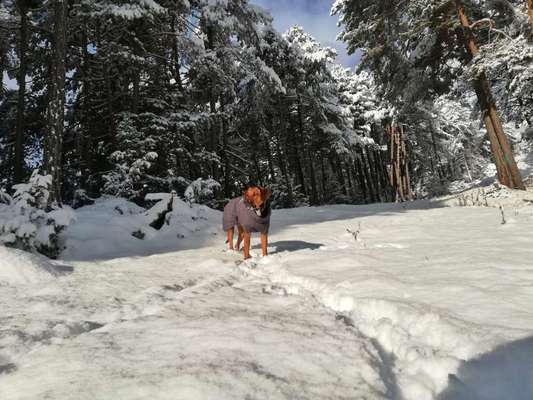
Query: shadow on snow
x=503, y=373
x=290, y=245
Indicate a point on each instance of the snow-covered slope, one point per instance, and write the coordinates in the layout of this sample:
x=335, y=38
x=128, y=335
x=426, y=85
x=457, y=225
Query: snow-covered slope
x=20, y=267
x=383, y=301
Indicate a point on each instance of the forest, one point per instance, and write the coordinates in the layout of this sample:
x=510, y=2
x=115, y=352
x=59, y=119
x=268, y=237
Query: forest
x=384, y=205
x=131, y=97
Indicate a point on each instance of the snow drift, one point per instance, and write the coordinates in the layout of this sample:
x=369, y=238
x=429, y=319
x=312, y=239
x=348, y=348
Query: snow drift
x=114, y=227
x=20, y=267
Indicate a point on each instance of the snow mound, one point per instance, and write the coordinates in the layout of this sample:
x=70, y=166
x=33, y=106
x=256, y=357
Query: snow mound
x=114, y=227
x=20, y=267
x=494, y=195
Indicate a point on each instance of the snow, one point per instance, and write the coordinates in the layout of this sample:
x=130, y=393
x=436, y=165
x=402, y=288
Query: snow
x=416, y=301
x=104, y=230
x=18, y=267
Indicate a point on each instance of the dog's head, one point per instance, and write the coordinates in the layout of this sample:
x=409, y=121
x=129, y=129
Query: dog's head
x=257, y=196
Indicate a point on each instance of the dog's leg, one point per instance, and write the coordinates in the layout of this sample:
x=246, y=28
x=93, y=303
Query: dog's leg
x=264, y=243
x=240, y=236
x=230, y=238
x=246, y=248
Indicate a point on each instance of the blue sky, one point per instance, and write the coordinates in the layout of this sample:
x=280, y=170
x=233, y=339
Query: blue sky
x=313, y=16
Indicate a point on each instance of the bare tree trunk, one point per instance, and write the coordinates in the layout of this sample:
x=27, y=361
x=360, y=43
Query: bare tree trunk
x=393, y=152
x=337, y=168
x=21, y=82
x=347, y=166
x=136, y=92
x=300, y=172
x=397, y=165
x=390, y=146
x=508, y=173
x=399, y=171
x=323, y=177
x=530, y=13
x=406, y=181
x=314, y=194
x=385, y=182
x=270, y=161
x=209, y=44
x=365, y=166
x=438, y=160
x=175, y=65
x=285, y=175
x=109, y=97
x=56, y=102
x=225, y=158
x=372, y=166
x=85, y=142
x=358, y=169
x=281, y=156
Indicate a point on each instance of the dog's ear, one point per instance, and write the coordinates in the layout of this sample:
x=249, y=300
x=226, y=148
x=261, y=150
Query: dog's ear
x=266, y=193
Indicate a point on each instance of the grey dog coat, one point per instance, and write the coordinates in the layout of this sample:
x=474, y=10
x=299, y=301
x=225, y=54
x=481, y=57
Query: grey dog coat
x=239, y=212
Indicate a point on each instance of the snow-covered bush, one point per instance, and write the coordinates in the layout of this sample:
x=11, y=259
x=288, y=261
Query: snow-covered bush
x=202, y=191
x=29, y=222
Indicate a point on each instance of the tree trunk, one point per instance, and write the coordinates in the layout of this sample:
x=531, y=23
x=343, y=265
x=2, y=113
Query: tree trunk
x=285, y=175
x=56, y=102
x=323, y=178
x=351, y=175
x=436, y=155
x=385, y=182
x=298, y=151
x=213, y=97
x=394, y=166
x=374, y=176
x=337, y=168
x=406, y=181
x=303, y=152
x=136, y=92
x=399, y=170
x=109, y=98
x=314, y=194
x=398, y=165
x=365, y=166
x=281, y=155
x=530, y=13
x=85, y=142
x=21, y=82
x=358, y=170
x=175, y=64
x=508, y=173
x=270, y=161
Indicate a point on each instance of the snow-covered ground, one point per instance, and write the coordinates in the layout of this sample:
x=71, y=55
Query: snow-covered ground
x=413, y=302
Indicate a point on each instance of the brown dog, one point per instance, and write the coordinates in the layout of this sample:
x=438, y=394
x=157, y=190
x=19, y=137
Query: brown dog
x=250, y=213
